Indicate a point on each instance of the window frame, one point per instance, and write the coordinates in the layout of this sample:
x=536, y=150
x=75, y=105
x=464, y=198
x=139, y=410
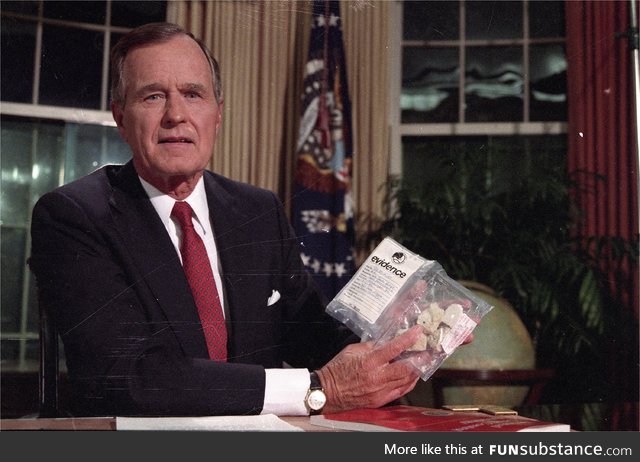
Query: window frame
x=398, y=129
x=66, y=115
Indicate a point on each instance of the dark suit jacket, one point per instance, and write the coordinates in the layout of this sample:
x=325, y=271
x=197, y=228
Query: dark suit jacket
x=107, y=271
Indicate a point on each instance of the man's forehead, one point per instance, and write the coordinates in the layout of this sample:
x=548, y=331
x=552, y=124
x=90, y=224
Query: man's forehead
x=168, y=53
x=179, y=59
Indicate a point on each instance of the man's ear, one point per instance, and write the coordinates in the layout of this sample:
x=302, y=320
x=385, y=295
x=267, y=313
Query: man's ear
x=118, y=115
x=219, y=120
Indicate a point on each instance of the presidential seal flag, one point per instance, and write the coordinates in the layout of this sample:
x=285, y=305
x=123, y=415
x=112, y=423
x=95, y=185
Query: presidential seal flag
x=322, y=201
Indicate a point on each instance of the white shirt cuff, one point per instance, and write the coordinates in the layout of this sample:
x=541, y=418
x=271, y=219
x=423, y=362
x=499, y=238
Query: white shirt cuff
x=285, y=390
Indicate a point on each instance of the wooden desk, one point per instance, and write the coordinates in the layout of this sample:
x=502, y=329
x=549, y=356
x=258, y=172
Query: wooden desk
x=109, y=424
x=85, y=423
x=581, y=417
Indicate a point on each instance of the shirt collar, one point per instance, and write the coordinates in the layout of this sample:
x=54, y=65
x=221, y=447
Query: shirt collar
x=163, y=204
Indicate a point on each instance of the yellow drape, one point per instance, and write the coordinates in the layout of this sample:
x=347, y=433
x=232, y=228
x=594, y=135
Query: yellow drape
x=262, y=48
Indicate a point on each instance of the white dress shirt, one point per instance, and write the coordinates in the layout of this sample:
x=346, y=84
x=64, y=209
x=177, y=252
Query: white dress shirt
x=285, y=389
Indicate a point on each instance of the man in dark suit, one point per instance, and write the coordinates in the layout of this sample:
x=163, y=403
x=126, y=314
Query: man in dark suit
x=106, y=252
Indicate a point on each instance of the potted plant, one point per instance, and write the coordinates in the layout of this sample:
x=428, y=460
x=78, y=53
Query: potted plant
x=514, y=232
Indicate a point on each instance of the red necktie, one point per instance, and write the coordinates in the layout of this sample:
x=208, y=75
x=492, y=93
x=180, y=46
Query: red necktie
x=197, y=268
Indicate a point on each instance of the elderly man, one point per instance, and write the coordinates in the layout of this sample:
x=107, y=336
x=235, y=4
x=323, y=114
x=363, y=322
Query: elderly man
x=178, y=291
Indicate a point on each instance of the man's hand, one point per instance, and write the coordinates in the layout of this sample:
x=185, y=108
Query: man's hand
x=364, y=376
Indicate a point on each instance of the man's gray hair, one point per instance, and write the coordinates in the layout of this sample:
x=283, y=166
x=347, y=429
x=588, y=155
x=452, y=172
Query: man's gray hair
x=158, y=32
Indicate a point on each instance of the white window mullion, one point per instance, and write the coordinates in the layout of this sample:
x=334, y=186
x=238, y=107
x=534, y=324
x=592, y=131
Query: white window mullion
x=483, y=128
x=37, y=59
x=526, y=102
x=66, y=114
x=395, y=79
x=463, y=62
x=104, y=87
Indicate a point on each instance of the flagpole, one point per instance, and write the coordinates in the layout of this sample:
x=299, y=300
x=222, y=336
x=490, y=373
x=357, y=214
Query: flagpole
x=634, y=43
x=631, y=34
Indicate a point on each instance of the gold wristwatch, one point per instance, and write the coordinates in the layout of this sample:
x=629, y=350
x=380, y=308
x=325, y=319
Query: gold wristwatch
x=315, y=399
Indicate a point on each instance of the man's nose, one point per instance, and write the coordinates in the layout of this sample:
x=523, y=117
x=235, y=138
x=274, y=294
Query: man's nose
x=175, y=111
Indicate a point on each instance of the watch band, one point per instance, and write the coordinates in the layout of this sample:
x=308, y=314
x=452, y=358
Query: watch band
x=315, y=399
x=315, y=381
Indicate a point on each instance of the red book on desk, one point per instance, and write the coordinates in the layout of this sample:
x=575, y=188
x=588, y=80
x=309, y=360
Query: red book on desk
x=421, y=419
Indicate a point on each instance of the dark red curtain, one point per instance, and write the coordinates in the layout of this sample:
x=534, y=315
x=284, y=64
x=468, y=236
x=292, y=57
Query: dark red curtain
x=601, y=134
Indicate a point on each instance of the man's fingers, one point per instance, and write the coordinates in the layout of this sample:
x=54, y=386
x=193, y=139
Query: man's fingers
x=394, y=347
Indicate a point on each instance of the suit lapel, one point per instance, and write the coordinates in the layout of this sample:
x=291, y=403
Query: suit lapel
x=234, y=240
x=226, y=219
x=147, y=241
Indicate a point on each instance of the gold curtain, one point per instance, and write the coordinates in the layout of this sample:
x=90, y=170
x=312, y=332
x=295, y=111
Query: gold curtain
x=367, y=49
x=253, y=41
x=262, y=49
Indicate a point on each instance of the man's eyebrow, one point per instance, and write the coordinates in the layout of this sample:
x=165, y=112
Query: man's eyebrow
x=150, y=87
x=156, y=86
x=198, y=87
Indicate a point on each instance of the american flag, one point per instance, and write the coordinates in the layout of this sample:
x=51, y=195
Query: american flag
x=322, y=202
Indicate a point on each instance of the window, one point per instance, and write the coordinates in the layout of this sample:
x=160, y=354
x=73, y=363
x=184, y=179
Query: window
x=55, y=127
x=57, y=53
x=488, y=72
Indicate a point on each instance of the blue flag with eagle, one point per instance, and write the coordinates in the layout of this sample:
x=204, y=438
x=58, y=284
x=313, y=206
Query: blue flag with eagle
x=322, y=202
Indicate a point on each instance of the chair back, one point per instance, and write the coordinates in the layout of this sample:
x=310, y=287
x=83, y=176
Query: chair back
x=48, y=383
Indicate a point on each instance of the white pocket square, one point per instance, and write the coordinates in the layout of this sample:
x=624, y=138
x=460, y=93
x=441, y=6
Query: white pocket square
x=275, y=296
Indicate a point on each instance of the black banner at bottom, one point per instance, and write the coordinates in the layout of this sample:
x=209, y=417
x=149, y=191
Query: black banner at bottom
x=323, y=446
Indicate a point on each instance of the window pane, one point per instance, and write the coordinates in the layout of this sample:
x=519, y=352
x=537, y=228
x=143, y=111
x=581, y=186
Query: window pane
x=49, y=158
x=546, y=19
x=505, y=160
x=12, y=245
x=431, y=20
x=490, y=160
x=548, y=84
x=16, y=169
x=23, y=7
x=17, y=57
x=28, y=169
x=93, y=11
x=33, y=153
x=466, y=189
x=493, y=84
x=89, y=147
x=71, y=82
x=10, y=349
x=429, y=85
x=114, y=39
x=486, y=20
x=132, y=14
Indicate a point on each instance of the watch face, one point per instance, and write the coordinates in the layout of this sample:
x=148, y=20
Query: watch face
x=316, y=399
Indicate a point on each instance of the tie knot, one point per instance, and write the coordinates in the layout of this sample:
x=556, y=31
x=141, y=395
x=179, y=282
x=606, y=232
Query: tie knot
x=182, y=212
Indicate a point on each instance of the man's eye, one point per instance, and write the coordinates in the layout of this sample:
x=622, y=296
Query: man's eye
x=153, y=97
x=192, y=95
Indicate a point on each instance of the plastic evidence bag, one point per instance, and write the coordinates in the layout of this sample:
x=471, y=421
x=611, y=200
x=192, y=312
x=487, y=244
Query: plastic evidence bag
x=395, y=289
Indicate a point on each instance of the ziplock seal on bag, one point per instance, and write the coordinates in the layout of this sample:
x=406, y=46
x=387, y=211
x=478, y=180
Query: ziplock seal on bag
x=395, y=289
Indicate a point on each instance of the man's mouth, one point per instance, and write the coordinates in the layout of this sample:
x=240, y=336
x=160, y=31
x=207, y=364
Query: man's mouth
x=175, y=139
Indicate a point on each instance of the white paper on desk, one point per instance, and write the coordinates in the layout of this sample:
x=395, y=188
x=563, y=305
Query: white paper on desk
x=235, y=423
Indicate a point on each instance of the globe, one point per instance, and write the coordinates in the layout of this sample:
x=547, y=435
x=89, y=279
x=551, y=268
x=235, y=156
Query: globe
x=500, y=341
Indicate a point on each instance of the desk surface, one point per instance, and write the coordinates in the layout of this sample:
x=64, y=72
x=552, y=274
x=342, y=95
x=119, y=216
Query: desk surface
x=109, y=423
x=581, y=417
